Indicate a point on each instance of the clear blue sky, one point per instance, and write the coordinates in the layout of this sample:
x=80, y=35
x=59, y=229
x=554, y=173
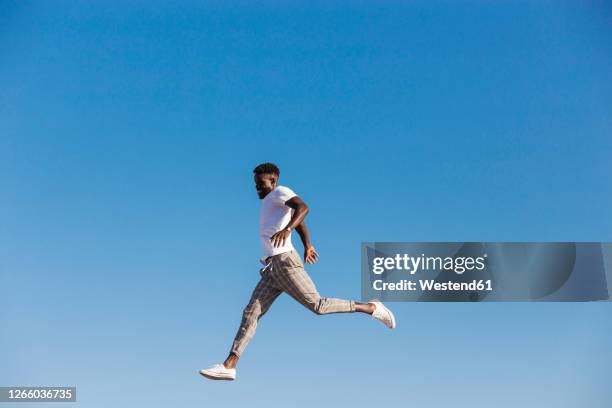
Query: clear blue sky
x=128, y=218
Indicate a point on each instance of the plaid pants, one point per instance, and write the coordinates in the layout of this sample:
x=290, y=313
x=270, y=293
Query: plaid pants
x=284, y=273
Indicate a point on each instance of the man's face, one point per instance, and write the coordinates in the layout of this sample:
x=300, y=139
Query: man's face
x=264, y=183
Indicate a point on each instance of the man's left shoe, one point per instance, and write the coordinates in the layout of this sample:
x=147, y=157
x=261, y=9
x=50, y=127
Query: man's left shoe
x=382, y=314
x=219, y=372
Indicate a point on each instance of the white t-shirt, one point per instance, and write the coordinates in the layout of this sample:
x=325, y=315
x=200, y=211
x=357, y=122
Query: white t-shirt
x=275, y=216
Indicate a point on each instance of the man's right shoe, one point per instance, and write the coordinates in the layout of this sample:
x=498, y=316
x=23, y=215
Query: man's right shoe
x=219, y=372
x=382, y=314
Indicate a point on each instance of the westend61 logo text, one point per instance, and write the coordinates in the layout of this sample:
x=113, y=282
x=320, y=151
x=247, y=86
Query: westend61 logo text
x=413, y=264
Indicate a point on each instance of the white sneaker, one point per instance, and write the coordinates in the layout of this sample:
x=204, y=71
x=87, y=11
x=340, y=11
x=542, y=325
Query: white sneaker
x=383, y=314
x=219, y=372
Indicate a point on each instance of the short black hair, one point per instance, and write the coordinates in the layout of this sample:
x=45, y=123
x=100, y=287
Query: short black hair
x=267, y=168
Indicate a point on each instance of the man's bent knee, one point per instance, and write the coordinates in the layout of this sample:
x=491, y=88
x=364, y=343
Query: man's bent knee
x=315, y=305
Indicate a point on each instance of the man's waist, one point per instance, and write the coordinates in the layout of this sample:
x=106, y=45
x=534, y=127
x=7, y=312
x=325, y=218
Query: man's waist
x=266, y=259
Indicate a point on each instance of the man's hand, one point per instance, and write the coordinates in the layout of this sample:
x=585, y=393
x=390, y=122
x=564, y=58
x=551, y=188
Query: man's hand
x=280, y=238
x=310, y=255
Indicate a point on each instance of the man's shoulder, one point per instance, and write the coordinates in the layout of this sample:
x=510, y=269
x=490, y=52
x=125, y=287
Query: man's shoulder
x=283, y=190
x=281, y=194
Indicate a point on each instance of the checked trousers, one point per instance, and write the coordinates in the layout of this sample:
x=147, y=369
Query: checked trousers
x=283, y=273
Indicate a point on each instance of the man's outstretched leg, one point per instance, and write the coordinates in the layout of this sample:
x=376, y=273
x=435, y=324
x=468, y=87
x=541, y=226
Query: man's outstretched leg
x=285, y=273
x=239, y=343
x=262, y=298
x=289, y=275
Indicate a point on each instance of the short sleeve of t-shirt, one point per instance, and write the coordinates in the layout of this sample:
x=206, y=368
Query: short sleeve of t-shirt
x=283, y=194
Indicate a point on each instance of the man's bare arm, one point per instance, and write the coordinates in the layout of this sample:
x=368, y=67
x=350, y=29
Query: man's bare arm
x=310, y=254
x=300, y=209
x=304, y=235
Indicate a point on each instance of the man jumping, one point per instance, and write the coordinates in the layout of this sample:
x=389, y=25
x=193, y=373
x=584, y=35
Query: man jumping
x=282, y=211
